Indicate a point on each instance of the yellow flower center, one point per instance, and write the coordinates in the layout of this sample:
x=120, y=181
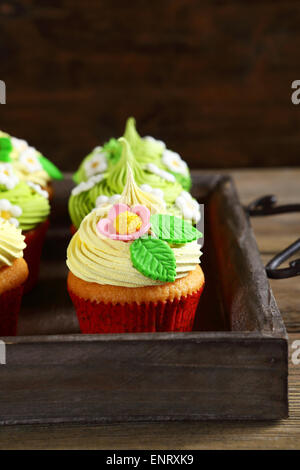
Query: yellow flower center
x=176, y=163
x=5, y=215
x=6, y=172
x=95, y=164
x=30, y=160
x=127, y=222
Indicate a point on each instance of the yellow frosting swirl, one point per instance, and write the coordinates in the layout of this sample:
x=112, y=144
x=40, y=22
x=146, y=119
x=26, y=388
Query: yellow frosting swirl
x=132, y=195
x=96, y=258
x=11, y=244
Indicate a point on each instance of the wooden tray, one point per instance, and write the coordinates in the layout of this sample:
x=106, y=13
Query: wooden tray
x=235, y=368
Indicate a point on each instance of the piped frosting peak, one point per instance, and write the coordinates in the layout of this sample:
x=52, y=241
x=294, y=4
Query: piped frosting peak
x=132, y=195
x=117, y=177
x=145, y=150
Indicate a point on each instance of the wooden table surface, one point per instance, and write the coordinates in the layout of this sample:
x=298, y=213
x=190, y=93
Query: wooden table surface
x=273, y=234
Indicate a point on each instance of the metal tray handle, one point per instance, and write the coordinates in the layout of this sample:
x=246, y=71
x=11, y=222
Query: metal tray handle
x=267, y=205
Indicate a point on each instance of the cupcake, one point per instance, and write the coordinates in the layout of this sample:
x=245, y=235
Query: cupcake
x=13, y=274
x=151, y=154
x=28, y=164
x=105, y=188
x=135, y=269
x=25, y=205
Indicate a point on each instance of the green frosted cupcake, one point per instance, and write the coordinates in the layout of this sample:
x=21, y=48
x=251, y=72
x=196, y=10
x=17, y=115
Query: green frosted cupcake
x=28, y=164
x=25, y=205
x=150, y=153
x=105, y=188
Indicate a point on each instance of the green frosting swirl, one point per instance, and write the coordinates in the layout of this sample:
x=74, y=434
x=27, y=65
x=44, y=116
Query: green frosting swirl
x=150, y=151
x=144, y=151
x=137, y=152
x=35, y=208
x=114, y=182
x=117, y=177
x=80, y=206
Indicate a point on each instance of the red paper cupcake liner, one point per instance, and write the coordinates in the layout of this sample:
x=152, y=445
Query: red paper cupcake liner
x=34, y=240
x=176, y=315
x=73, y=229
x=10, y=303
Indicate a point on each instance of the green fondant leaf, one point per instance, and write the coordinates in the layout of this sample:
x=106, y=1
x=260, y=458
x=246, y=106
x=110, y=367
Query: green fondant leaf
x=173, y=229
x=50, y=168
x=185, y=181
x=5, y=143
x=113, y=148
x=76, y=177
x=4, y=156
x=153, y=258
x=5, y=149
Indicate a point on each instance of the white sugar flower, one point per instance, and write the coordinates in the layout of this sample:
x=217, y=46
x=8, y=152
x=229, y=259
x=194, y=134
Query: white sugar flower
x=188, y=206
x=29, y=158
x=7, y=176
x=19, y=145
x=149, y=138
x=159, y=172
x=38, y=189
x=113, y=199
x=96, y=164
x=154, y=191
x=96, y=179
x=87, y=185
x=174, y=162
x=9, y=212
x=105, y=200
x=101, y=200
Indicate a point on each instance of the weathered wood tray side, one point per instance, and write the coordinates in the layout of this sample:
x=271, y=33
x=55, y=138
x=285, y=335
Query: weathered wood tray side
x=237, y=374
x=246, y=293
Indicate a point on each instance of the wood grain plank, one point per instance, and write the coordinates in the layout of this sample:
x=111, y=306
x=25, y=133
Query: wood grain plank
x=212, y=79
x=284, y=434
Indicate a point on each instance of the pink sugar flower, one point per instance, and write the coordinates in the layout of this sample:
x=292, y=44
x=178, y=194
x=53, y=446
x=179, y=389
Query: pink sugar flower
x=137, y=216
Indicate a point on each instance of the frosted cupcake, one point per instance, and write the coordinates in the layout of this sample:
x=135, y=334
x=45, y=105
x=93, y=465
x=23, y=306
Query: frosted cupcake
x=136, y=269
x=13, y=274
x=105, y=188
x=28, y=164
x=150, y=153
x=25, y=205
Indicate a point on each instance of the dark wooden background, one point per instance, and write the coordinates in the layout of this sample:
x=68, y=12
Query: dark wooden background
x=211, y=78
